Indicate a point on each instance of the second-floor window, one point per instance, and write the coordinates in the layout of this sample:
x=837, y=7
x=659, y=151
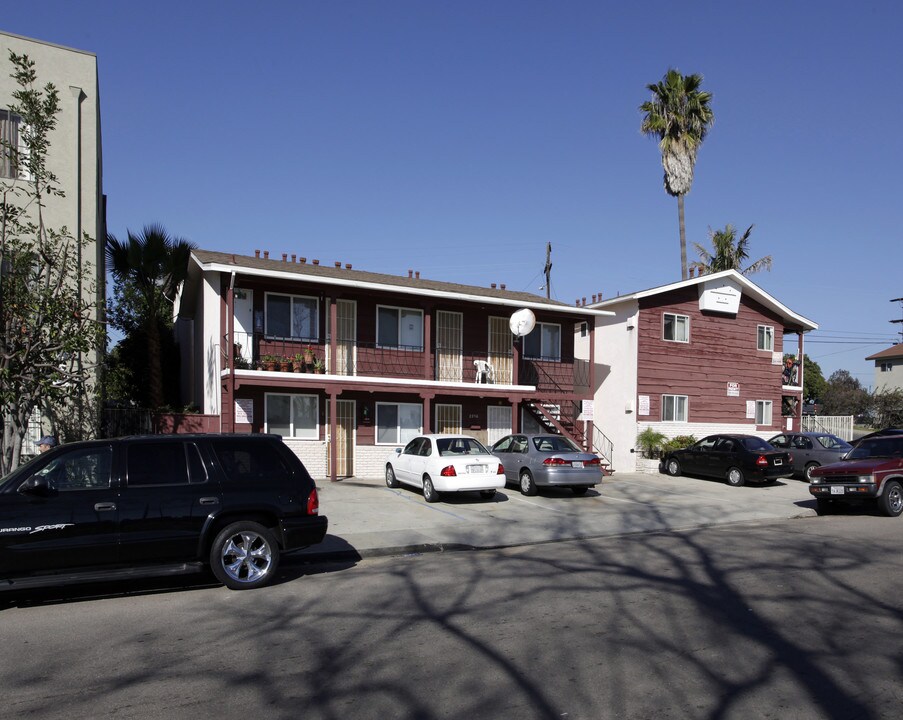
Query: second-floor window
x=11, y=150
x=763, y=412
x=292, y=316
x=765, y=340
x=544, y=342
x=674, y=408
x=399, y=328
x=676, y=328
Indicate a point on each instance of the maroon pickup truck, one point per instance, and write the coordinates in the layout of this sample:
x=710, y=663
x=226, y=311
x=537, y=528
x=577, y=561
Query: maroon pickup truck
x=872, y=470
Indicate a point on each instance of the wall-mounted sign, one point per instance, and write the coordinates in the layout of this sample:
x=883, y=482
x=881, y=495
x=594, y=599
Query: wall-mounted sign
x=777, y=358
x=587, y=410
x=733, y=389
x=750, y=409
x=244, y=410
x=643, y=405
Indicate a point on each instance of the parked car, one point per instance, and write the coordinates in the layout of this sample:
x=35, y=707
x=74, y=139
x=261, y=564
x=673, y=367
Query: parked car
x=534, y=461
x=872, y=470
x=882, y=432
x=156, y=505
x=811, y=449
x=736, y=458
x=445, y=464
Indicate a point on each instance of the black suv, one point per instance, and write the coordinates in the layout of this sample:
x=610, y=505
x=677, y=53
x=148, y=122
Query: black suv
x=155, y=505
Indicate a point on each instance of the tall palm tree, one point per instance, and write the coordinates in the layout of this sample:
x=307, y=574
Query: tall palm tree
x=679, y=115
x=155, y=264
x=729, y=253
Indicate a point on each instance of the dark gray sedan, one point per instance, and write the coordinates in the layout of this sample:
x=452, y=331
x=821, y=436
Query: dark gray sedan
x=533, y=461
x=811, y=449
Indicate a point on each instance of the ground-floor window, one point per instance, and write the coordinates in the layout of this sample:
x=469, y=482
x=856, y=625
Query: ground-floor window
x=448, y=418
x=293, y=415
x=398, y=423
x=674, y=408
x=763, y=412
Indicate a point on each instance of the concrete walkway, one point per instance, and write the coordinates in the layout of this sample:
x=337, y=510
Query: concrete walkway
x=368, y=519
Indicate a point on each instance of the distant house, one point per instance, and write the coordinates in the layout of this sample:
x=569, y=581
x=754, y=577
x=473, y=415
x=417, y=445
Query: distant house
x=888, y=368
x=698, y=356
x=400, y=355
x=74, y=156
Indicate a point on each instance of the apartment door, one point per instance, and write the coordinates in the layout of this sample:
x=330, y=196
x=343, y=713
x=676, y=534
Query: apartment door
x=449, y=330
x=346, y=337
x=500, y=352
x=243, y=323
x=498, y=423
x=448, y=419
x=344, y=438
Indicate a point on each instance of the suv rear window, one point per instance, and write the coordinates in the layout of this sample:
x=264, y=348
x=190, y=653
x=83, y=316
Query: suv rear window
x=249, y=460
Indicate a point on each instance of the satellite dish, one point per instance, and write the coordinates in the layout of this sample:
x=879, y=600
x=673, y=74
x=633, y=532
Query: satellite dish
x=522, y=322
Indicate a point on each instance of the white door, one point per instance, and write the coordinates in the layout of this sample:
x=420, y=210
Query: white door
x=498, y=423
x=243, y=322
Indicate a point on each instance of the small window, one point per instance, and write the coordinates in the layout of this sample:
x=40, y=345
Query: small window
x=398, y=423
x=763, y=412
x=765, y=338
x=157, y=463
x=290, y=316
x=676, y=328
x=674, y=408
x=544, y=342
x=886, y=367
x=13, y=152
x=293, y=416
x=400, y=328
x=583, y=329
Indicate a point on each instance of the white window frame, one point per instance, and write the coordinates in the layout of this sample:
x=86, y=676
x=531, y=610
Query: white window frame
x=764, y=412
x=305, y=433
x=21, y=148
x=551, y=354
x=315, y=330
x=675, y=408
x=887, y=366
x=402, y=435
x=676, y=316
x=766, y=333
x=400, y=310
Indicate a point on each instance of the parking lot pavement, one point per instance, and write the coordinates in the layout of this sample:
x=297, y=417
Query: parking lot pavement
x=368, y=519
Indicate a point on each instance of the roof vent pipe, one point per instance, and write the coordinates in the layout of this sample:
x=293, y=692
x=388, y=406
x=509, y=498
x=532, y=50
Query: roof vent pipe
x=417, y=275
x=337, y=263
x=347, y=266
x=257, y=253
x=410, y=273
x=293, y=257
x=284, y=257
x=316, y=262
x=502, y=286
x=266, y=254
x=303, y=260
x=492, y=285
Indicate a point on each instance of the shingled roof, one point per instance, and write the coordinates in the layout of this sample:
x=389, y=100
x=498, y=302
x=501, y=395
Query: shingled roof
x=337, y=274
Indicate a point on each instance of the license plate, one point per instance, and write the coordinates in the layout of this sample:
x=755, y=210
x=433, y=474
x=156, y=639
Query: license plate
x=577, y=463
x=477, y=468
x=837, y=490
x=778, y=461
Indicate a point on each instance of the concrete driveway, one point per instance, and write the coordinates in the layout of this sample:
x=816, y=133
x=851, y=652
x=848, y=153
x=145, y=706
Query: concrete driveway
x=368, y=519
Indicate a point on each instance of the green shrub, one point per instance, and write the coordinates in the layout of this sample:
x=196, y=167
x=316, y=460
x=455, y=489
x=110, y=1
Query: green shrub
x=650, y=442
x=679, y=442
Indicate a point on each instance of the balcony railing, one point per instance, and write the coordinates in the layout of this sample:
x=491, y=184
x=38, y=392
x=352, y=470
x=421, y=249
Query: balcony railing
x=467, y=365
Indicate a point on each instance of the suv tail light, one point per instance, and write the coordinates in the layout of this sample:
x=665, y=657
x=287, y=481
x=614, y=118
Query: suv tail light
x=448, y=471
x=313, y=503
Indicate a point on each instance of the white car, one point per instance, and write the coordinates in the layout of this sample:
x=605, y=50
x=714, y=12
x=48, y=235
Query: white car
x=445, y=463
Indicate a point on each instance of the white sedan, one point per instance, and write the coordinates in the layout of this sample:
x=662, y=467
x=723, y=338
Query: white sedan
x=445, y=463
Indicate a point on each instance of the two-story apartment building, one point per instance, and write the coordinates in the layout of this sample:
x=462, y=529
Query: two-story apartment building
x=347, y=365
x=695, y=357
x=888, y=368
x=74, y=157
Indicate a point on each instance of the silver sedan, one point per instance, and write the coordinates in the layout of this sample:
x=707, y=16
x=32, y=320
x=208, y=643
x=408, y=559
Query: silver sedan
x=533, y=461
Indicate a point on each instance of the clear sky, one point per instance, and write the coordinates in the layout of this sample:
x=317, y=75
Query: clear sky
x=458, y=138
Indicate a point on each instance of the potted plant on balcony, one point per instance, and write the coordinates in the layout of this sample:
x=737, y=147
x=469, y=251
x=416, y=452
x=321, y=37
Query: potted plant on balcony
x=285, y=363
x=269, y=362
x=319, y=367
x=298, y=364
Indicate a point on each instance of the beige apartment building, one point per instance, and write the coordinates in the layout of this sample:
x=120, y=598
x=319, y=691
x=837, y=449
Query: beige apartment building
x=75, y=154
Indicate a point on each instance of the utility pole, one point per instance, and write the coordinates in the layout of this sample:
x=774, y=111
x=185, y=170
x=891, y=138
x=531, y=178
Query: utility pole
x=899, y=300
x=548, y=270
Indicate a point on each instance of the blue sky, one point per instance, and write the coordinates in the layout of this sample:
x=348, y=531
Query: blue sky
x=458, y=138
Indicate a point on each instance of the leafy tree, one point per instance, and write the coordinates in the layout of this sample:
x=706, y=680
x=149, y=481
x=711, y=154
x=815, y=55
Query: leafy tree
x=48, y=328
x=679, y=115
x=729, y=253
x=844, y=395
x=154, y=265
x=887, y=406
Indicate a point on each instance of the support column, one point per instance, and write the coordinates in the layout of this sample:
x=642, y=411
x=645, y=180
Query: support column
x=332, y=368
x=427, y=412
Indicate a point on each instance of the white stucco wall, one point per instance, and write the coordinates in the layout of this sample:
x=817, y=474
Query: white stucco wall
x=208, y=331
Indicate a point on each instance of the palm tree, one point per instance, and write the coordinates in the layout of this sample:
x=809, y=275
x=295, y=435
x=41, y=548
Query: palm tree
x=728, y=253
x=678, y=115
x=155, y=264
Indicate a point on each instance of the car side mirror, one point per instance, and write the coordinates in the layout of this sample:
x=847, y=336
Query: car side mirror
x=398, y=451
x=37, y=485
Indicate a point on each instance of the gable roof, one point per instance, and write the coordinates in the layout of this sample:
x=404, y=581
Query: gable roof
x=895, y=351
x=210, y=261
x=749, y=287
